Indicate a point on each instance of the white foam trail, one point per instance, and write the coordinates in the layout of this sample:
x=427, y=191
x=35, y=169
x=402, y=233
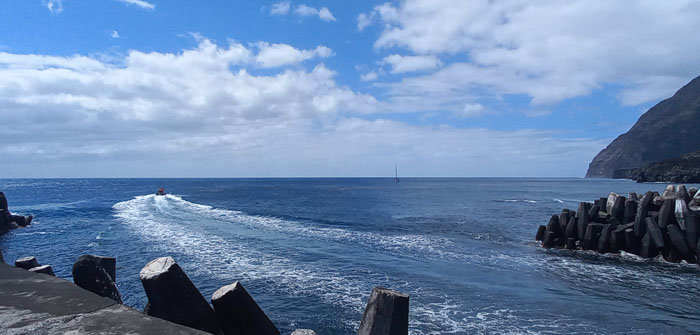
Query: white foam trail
x=396, y=244
x=558, y=200
x=155, y=220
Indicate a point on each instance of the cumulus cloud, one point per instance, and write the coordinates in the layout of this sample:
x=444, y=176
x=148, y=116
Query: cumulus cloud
x=54, y=6
x=325, y=14
x=274, y=55
x=401, y=64
x=114, y=34
x=140, y=3
x=552, y=50
x=303, y=10
x=201, y=112
x=472, y=109
x=280, y=8
x=364, y=21
x=369, y=76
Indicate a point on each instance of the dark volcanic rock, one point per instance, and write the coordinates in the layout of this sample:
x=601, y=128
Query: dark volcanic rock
x=665, y=131
x=386, y=313
x=239, y=314
x=683, y=169
x=89, y=274
x=173, y=297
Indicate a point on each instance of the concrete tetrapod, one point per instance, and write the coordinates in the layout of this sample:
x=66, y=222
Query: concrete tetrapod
x=691, y=231
x=239, y=314
x=630, y=210
x=3, y=201
x=642, y=213
x=654, y=233
x=648, y=249
x=582, y=223
x=45, y=269
x=571, y=231
x=682, y=213
x=89, y=274
x=173, y=297
x=631, y=241
x=604, y=239
x=386, y=313
x=26, y=262
x=679, y=242
x=540, y=232
x=666, y=213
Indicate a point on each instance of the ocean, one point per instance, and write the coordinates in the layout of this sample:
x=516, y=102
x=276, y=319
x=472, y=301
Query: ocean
x=310, y=251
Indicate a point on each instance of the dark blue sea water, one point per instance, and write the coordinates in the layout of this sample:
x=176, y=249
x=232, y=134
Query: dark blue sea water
x=311, y=250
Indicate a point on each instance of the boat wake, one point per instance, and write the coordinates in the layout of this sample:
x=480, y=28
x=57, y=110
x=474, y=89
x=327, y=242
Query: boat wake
x=171, y=224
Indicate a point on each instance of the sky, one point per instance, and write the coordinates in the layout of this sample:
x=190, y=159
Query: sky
x=472, y=88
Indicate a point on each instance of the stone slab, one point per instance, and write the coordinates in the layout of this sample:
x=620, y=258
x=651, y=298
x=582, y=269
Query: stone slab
x=32, y=303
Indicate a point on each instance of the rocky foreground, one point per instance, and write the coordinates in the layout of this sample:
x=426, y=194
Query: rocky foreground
x=654, y=224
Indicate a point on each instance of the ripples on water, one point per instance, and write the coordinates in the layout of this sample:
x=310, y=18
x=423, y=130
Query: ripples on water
x=310, y=251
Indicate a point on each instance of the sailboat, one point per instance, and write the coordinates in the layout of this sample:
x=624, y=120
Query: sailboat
x=396, y=170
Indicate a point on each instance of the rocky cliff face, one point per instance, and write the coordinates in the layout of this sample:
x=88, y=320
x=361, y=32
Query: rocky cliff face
x=677, y=170
x=668, y=130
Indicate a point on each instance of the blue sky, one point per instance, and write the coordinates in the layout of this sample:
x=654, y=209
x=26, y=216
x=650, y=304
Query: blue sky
x=133, y=88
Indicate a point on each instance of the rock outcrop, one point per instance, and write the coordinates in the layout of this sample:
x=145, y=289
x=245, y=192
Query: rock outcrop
x=665, y=131
x=685, y=169
x=9, y=221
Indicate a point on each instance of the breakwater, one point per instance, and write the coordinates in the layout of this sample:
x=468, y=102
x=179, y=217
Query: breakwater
x=650, y=225
x=172, y=296
x=8, y=220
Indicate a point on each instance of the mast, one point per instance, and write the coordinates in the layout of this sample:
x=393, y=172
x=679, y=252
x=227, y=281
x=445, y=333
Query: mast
x=396, y=171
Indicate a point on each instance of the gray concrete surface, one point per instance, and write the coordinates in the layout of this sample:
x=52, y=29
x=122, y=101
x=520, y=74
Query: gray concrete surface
x=35, y=303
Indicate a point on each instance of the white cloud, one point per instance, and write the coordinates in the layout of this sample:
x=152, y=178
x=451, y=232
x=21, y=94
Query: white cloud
x=274, y=55
x=369, y=76
x=303, y=10
x=54, y=6
x=280, y=8
x=363, y=21
x=140, y=3
x=550, y=50
x=200, y=112
x=472, y=109
x=325, y=14
x=402, y=64
x=114, y=34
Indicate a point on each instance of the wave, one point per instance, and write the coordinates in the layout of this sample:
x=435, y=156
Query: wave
x=159, y=222
x=516, y=200
x=392, y=243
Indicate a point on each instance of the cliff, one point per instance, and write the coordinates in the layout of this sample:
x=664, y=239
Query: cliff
x=667, y=130
x=685, y=169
